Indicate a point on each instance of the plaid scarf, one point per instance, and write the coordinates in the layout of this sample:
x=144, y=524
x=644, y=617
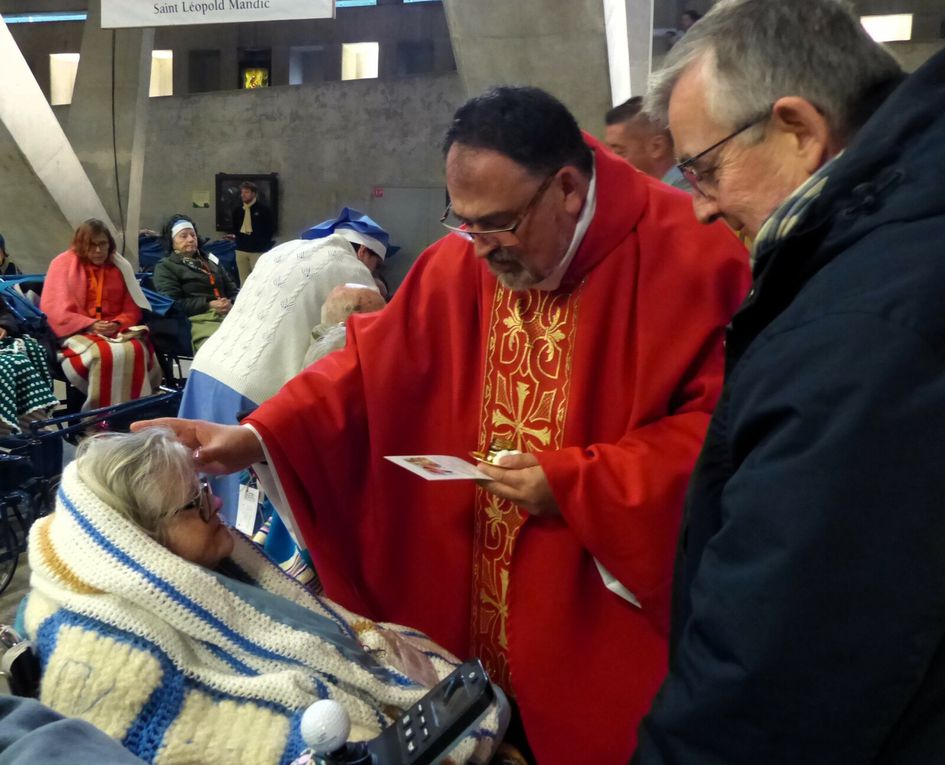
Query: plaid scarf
x=247, y=227
x=792, y=210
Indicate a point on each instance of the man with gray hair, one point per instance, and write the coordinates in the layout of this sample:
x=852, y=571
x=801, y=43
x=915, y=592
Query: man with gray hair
x=809, y=600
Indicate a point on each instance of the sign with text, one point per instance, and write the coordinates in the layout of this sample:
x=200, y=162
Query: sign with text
x=147, y=13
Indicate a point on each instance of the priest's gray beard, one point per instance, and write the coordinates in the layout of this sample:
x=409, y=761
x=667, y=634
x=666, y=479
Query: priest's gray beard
x=511, y=272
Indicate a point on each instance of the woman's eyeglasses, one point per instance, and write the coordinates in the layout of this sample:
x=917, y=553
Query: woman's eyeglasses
x=202, y=502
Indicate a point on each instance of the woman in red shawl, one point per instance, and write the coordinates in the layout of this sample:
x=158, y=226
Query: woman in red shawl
x=94, y=306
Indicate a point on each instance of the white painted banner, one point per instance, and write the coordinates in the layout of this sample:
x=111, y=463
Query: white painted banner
x=147, y=13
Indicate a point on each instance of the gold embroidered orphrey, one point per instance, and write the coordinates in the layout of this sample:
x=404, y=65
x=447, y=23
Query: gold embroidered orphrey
x=524, y=401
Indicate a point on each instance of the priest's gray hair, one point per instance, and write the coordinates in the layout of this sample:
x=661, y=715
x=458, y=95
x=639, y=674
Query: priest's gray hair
x=144, y=476
x=757, y=51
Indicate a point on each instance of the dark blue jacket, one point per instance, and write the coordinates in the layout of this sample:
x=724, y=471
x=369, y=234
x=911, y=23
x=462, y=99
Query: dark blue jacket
x=31, y=734
x=809, y=609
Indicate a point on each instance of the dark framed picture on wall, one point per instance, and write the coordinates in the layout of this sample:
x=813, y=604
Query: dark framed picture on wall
x=227, y=196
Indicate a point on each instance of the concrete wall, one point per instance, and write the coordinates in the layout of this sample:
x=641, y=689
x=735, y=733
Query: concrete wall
x=928, y=25
x=35, y=229
x=331, y=145
x=385, y=24
x=913, y=54
x=123, y=56
x=37, y=41
x=557, y=45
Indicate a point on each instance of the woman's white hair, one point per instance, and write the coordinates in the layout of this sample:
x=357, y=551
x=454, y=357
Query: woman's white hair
x=757, y=51
x=145, y=476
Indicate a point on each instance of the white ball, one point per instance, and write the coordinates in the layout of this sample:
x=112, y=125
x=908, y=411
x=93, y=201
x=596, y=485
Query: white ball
x=325, y=726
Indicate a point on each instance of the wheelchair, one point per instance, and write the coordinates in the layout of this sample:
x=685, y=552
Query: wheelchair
x=31, y=464
x=169, y=329
x=19, y=665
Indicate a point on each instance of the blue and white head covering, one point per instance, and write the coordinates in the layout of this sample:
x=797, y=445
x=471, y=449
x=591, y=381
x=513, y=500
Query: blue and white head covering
x=356, y=227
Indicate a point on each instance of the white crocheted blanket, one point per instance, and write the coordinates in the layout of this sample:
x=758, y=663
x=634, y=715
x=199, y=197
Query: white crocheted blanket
x=171, y=660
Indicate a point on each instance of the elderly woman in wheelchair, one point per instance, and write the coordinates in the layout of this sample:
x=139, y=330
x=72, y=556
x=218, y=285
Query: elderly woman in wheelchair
x=175, y=635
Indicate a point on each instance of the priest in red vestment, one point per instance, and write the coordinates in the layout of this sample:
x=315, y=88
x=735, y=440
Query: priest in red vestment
x=577, y=311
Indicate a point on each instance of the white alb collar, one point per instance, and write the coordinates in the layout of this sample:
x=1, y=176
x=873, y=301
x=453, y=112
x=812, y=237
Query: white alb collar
x=553, y=280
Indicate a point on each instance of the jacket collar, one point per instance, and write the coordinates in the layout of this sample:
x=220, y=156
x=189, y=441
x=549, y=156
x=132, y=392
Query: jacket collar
x=886, y=173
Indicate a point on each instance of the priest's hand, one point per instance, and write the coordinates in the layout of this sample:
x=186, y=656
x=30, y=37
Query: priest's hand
x=521, y=480
x=218, y=449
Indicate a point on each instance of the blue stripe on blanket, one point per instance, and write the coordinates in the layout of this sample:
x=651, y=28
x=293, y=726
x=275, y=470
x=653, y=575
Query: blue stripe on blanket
x=235, y=663
x=122, y=557
x=294, y=744
x=325, y=693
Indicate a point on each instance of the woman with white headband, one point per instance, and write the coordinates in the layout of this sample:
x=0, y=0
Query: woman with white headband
x=202, y=289
x=94, y=306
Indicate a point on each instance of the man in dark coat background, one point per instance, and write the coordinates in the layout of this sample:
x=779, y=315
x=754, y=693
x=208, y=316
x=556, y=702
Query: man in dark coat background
x=252, y=227
x=809, y=603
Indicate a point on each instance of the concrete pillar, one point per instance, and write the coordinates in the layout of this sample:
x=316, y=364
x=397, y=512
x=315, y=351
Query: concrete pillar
x=139, y=142
x=629, y=25
x=112, y=84
x=557, y=45
x=43, y=180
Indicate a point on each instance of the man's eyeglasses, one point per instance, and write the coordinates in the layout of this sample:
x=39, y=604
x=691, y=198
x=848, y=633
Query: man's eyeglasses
x=202, y=502
x=702, y=180
x=458, y=226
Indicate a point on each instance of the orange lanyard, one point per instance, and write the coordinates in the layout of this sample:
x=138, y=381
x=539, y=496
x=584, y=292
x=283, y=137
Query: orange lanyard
x=97, y=278
x=213, y=282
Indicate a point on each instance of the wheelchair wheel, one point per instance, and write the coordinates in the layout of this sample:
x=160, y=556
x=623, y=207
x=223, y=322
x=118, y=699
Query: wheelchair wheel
x=9, y=551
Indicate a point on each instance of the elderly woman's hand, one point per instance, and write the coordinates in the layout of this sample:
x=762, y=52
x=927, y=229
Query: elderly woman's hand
x=221, y=306
x=218, y=449
x=106, y=328
x=3, y=333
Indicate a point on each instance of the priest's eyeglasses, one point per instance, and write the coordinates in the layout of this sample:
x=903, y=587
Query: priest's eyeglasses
x=202, y=501
x=457, y=225
x=704, y=181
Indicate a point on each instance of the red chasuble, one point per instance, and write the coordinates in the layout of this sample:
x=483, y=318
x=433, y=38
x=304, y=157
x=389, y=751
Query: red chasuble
x=610, y=379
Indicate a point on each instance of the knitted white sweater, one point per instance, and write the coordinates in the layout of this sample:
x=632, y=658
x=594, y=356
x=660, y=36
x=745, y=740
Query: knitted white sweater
x=262, y=342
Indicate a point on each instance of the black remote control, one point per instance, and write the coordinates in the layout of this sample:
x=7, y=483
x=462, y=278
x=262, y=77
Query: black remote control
x=431, y=727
